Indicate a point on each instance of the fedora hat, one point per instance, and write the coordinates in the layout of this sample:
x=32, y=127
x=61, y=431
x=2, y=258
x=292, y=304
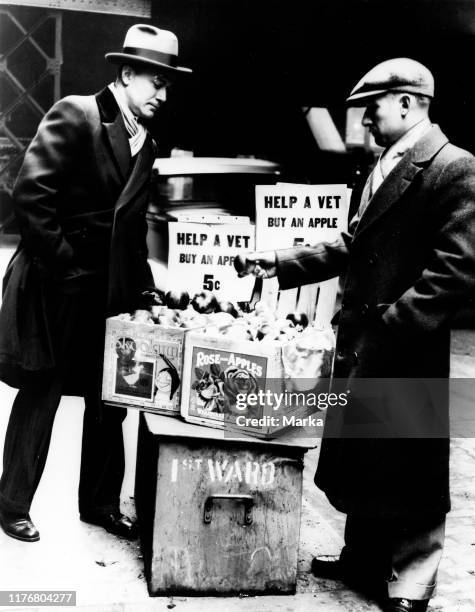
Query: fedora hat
x=147, y=44
x=400, y=74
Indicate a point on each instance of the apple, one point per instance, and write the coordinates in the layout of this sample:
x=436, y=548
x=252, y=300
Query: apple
x=205, y=302
x=228, y=307
x=298, y=319
x=141, y=316
x=177, y=300
x=167, y=321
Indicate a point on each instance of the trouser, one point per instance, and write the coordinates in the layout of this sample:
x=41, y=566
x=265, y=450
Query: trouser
x=400, y=557
x=27, y=442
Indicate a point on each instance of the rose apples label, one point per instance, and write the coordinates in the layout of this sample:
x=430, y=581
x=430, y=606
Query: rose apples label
x=218, y=377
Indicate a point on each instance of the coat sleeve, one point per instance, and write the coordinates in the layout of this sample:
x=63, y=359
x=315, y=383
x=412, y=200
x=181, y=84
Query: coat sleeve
x=147, y=282
x=449, y=276
x=48, y=163
x=304, y=265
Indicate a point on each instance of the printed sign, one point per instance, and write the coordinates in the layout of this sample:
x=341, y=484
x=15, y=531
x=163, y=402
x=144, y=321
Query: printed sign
x=218, y=376
x=201, y=256
x=290, y=215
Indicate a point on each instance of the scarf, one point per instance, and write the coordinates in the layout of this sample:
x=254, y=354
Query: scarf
x=135, y=130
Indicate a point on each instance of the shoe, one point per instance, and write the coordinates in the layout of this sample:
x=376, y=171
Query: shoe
x=332, y=570
x=114, y=523
x=19, y=526
x=336, y=570
x=397, y=604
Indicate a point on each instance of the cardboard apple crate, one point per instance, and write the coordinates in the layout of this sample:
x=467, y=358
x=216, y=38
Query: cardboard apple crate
x=143, y=366
x=210, y=369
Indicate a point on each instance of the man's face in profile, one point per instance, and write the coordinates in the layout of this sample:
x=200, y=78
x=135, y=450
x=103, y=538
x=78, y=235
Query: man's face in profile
x=145, y=90
x=383, y=118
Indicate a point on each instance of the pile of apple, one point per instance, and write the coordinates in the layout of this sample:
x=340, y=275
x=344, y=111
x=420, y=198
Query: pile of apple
x=175, y=309
x=262, y=325
x=219, y=318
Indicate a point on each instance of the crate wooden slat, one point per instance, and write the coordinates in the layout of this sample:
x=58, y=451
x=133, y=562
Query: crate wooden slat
x=317, y=300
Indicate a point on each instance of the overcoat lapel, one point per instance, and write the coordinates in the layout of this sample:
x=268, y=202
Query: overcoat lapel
x=139, y=176
x=123, y=272
x=119, y=144
x=116, y=134
x=400, y=178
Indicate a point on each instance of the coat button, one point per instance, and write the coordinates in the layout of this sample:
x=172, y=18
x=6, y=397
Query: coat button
x=354, y=355
x=364, y=309
x=340, y=356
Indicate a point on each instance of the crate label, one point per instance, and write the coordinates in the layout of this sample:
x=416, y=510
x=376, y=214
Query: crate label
x=218, y=376
x=142, y=366
x=251, y=472
x=146, y=370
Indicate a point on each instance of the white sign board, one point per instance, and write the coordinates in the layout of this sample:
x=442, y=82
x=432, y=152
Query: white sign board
x=290, y=214
x=201, y=256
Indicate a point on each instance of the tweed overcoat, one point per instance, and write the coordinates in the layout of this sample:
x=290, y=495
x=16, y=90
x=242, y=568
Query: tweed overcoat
x=409, y=265
x=80, y=201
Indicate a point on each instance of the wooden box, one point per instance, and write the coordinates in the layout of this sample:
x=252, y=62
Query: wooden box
x=143, y=366
x=217, y=516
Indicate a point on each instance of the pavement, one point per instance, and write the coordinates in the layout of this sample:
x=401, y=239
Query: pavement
x=107, y=572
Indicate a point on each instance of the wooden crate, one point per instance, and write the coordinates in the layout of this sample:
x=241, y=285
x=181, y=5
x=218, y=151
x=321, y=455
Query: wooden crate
x=209, y=392
x=217, y=516
x=143, y=366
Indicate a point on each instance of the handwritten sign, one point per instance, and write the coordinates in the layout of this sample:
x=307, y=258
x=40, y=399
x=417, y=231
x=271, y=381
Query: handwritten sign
x=201, y=256
x=290, y=215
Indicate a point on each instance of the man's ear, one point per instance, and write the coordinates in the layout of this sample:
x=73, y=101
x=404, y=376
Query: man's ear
x=405, y=104
x=126, y=74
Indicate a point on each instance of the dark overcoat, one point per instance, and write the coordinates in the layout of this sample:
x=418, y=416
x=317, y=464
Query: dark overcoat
x=409, y=265
x=80, y=200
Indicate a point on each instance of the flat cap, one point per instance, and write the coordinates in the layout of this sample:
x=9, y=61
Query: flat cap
x=398, y=74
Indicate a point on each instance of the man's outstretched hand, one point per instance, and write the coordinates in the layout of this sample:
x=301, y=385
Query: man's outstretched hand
x=262, y=264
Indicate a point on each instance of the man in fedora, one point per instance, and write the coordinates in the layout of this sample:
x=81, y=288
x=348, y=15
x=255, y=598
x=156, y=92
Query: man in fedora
x=409, y=261
x=80, y=200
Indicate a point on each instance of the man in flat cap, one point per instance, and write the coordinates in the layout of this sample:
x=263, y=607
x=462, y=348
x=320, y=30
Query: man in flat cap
x=80, y=200
x=409, y=261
